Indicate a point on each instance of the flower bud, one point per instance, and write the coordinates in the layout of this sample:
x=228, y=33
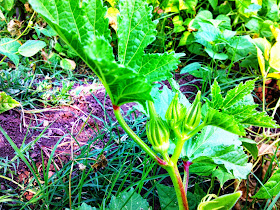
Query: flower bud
x=158, y=134
x=175, y=113
x=193, y=115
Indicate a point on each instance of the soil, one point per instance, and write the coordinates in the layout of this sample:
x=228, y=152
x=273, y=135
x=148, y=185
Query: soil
x=75, y=119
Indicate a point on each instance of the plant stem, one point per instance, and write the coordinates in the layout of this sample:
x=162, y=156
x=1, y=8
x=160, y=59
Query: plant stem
x=179, y=187
x=186, y=174
x=181, y=141
x=136, y=139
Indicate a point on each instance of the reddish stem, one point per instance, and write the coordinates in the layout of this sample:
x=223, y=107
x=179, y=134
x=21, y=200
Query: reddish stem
x=115, y=107
x=186, y=168
x=160, y=161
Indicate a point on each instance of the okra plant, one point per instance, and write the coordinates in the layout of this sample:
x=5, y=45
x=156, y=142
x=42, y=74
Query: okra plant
x=204, y=137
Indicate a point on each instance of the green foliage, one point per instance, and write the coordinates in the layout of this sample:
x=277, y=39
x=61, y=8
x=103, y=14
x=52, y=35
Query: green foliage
x=130, y=78
x=7, y=102
x=31, y=47
x=223, y=202
x=210, y=149
x=167, y=197
x=128, y=200
x=11, y=47
x=235, y=111
x=270, y=188
x=7, y=4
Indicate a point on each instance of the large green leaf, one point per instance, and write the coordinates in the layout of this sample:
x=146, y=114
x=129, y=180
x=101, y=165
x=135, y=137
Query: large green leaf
x=129, y=201
x=85, y=29
x=271, y=187
x=9, y=48
x=212, y=146
x=156, y=67
x=7, y=102
x=136, y=30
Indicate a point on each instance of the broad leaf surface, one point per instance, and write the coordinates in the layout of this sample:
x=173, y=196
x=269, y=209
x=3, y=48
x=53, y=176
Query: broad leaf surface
x=271, y=187
x=86, y=30
x=211, y=145
x=128, y=200
x=7, y=102
x=223, y=202
x=9, y=47
x=168, y=199
x=227, y=122
x=136, y=30
x=236, y=94
x=156, y=67
x=31, y=47
x=222, y=175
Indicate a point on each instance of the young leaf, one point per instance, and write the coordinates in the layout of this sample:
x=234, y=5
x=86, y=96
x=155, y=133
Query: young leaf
x=260, y=119
x=236, y=94
x=251, y=146
x=271, y=187
x=216, y=95
x=9, y=47
x=31, y=47
x=128, y=200
x=7, y=102
x=222, y=175
x=222, y=120
x=222, y=202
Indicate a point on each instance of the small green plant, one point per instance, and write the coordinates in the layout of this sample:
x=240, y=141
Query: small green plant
x=176, y=129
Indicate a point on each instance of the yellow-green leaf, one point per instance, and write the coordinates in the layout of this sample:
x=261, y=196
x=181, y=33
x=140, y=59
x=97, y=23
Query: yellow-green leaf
x=275, y=31
x=267, y=47
x=274, y=75
x=7, y=102
x=261, y=61
x=274, y=61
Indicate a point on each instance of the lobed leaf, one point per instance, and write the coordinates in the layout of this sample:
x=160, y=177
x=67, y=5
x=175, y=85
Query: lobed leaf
x=223, y=120
x=216, y=95
x=156, y=67
x=86, y=30
x=136, y=30
x=236, y=94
